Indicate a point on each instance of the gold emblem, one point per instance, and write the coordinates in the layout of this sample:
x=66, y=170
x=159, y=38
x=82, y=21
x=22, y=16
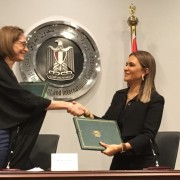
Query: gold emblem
x=96, y=133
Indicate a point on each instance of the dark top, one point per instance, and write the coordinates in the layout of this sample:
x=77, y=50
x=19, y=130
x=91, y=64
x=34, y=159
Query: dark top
x=139, y=123
x=22, y=113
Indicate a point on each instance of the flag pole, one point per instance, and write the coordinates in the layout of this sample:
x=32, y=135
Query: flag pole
x=132, y=22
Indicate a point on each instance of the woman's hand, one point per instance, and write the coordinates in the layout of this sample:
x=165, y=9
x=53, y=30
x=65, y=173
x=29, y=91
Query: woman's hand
x=111, y=149
x=76, y=109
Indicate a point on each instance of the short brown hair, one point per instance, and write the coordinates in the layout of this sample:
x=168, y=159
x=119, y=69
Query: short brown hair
x=9, y=35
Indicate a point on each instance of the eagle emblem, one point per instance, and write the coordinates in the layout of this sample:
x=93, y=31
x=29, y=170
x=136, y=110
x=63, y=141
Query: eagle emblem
x=60, y=62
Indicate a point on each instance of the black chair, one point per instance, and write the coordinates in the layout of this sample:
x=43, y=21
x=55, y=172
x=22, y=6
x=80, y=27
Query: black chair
x=41, y=153
x=168, y=144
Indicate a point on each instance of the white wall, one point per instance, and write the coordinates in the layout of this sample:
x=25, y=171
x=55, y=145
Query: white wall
x=106, y=20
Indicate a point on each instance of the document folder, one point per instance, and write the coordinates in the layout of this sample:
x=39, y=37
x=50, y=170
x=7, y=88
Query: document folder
x=91, y=131
x=38, y=88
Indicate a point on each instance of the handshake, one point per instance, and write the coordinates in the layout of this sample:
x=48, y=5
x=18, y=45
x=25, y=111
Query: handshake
x=77, y=109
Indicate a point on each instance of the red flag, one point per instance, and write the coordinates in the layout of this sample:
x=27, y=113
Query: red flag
x=134, y=43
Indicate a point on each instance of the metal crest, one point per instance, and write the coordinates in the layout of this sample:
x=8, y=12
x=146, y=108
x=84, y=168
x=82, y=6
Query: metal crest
x=63, y=55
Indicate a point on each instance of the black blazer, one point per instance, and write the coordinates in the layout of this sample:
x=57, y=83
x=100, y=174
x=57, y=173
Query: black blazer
x=19, y=109
x=141, y=121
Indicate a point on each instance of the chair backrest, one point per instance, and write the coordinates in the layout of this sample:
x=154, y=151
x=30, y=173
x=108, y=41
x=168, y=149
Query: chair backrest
x=44, y=146
x=168, y=144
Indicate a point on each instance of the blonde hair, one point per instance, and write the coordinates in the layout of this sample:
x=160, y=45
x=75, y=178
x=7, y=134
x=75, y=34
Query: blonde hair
x=146, y=60
x=9, y=35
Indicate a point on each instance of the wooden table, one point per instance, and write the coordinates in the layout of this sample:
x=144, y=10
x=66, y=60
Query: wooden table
x=92, y=175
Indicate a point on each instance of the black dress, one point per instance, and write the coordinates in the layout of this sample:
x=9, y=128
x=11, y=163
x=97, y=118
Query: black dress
x=22, y=114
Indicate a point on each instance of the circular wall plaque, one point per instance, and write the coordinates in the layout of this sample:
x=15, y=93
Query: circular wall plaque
x=65, y=56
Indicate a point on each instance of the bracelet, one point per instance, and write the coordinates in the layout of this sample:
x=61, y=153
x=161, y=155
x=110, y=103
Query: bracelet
x=123, y=148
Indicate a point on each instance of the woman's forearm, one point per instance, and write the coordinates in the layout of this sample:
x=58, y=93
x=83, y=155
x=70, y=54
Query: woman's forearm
x=57, y=105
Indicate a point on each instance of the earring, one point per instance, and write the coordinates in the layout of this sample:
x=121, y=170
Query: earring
x=142, y=77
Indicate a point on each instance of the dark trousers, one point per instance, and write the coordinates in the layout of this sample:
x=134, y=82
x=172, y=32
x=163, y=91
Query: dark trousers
x=4, y=146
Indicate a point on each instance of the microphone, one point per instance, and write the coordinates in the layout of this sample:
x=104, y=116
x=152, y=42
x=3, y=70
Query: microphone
x=155, y=155
x=157, y=163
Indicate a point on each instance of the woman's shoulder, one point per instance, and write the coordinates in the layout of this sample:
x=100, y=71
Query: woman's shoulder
x=125, y=90
x=121, y=92
x=156, y=96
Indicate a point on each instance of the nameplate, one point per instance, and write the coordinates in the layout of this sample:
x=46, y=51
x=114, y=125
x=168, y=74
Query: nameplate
x=64, y=162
